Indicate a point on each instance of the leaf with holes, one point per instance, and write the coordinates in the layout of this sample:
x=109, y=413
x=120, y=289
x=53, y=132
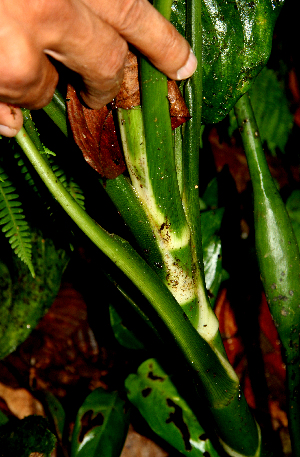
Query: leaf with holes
x=101, y=426
x=152, y=391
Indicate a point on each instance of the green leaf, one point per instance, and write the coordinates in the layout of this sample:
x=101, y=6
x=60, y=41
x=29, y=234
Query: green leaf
x=293, y=209
x=23, y=299
x=15, y=227
x=152, y=391
x=211, y=194
x=237, y=39
x=271, y=109
x=212, y=249
x=57, y=413
x=3, y=418
x=101, y=426
x=122, y=334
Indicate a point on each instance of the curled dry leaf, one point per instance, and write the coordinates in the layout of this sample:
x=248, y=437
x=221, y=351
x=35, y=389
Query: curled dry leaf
x=94, y=130
x=95, y=134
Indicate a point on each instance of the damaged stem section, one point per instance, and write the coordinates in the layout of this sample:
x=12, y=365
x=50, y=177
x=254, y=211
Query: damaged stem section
x=278, y=257
x=175, y=248
x=151, y=164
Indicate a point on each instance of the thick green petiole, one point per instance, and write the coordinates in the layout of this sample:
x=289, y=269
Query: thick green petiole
x=278, y=257
x=220, y=383
x=56, y=110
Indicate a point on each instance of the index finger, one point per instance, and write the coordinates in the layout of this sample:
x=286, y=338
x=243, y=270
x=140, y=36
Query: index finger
x=139, y=23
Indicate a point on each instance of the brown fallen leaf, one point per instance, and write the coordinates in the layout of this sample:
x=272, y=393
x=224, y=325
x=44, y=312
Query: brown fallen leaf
x=20, y=402
x=137, y=445
x=94, y=130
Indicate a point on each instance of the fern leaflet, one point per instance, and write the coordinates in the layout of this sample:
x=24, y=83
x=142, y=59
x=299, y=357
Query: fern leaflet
x=71, y=186
x=13, y=221
x=76, y=192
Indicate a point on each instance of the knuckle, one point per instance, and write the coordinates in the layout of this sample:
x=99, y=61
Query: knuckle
x=18, y=69
x=130, y=15
x=114, y=63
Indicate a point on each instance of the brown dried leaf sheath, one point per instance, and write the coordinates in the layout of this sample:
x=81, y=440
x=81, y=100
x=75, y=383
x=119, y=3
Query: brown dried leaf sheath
x=94, y=130
x=95, y=134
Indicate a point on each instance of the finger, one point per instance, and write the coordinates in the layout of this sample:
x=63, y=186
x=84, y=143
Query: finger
x=88, y=46
x=141, y=24
x=27, y=78
x=11, y=120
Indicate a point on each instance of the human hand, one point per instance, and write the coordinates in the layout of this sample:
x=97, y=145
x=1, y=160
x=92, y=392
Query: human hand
x=91, y=38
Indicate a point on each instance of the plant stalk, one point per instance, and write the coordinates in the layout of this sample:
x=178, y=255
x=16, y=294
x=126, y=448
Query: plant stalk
x=278, y=257
x=228, y=407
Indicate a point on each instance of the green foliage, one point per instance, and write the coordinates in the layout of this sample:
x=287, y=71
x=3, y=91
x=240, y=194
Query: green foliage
x=68, y=182
x=237, y=38
x=3, y=419
x=271, y=108
x=212, y=250
x=24, y=300
x=57, y=414
x=15, y=227
x=101, y=426
x=122, y=334
x=152, y=391
x=20, y=438
x=293, y=209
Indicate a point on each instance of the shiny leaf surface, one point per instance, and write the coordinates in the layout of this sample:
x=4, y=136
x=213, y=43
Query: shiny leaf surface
x=152, y=391
x=101, y=426
x=237, y=38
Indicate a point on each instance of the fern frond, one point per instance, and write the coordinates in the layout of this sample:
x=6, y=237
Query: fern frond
x=25, y=171
x=76, y=192
x=59, y=173
x=13, y=221
x=72, y=187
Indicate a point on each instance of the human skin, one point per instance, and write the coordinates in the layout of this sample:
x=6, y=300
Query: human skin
x=91, y=38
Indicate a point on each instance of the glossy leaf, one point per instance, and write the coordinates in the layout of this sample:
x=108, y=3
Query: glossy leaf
x=152, y=391
x=237, y=39
x=212, y=249
x=101, y=426
x=270, y=105
x=122, y=334
x=23, y=299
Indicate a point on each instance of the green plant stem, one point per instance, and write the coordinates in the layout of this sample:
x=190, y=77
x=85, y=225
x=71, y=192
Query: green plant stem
x=191, y=151
x=56, y=110
x=132, y=211
x=191, y=136
x=221, y=387
x=278, y=257
x=30, y=128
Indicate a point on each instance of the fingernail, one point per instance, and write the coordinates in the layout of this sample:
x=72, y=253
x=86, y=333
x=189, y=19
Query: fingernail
x=7, y=131
x=189, y=68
